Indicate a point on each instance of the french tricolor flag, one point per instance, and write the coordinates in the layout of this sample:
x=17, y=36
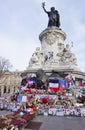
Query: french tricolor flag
x=30, y=82
x=54, y=84
x=67, y=77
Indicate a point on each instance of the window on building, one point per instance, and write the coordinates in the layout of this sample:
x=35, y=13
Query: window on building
x=4, y=89
x=9, y=90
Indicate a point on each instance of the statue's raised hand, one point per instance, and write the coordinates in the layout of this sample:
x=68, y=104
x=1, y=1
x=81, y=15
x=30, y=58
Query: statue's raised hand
x=43, y=4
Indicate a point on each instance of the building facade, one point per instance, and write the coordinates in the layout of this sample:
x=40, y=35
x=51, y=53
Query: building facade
x=10, y=82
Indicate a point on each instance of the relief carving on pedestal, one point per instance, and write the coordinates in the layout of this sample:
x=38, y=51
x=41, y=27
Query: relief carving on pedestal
x=50, y=38
x=36, y=59
x=48, y=58
x=66, y=57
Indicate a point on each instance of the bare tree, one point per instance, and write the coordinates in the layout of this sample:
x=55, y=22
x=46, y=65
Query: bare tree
x=4, y=66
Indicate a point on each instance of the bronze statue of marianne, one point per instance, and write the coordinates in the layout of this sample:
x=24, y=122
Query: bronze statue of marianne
x=54, y=18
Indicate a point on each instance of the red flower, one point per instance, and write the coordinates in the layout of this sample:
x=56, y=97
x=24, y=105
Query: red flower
x=45, y=100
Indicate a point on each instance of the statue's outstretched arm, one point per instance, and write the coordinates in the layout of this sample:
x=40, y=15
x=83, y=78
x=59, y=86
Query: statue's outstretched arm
x=43, y=5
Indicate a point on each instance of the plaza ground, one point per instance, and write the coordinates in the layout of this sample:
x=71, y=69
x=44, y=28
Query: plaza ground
x=57, y=123
x=61, y=123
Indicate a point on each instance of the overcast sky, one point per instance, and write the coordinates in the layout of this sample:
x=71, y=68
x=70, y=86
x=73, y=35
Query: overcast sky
x=21, y=22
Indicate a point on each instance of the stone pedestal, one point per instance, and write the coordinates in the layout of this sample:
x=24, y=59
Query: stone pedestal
x=50, y=38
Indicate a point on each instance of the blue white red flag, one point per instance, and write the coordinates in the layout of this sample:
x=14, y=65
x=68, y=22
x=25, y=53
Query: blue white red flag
x=54, y=84
x=67, y=77
x=30, y=82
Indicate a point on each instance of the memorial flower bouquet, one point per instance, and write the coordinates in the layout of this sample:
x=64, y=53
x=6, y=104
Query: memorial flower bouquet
x=19, y=118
